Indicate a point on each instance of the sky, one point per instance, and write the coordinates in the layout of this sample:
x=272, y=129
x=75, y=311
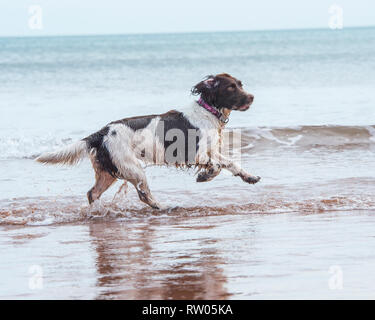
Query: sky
x=73, y=17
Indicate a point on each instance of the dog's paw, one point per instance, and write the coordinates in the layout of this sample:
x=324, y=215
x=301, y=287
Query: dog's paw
x=251, y=179
x=208, y=175
x=170, y=209
x=203, y=177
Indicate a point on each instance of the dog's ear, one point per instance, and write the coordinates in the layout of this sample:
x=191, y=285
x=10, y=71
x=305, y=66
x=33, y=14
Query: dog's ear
x=206, y=88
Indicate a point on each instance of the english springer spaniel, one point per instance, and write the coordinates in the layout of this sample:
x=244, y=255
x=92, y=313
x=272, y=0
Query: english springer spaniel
x=191, y=138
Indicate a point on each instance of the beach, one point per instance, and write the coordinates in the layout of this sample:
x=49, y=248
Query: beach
x=306, y=230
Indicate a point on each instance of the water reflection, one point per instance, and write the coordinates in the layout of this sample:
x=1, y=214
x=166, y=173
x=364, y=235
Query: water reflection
x=150, y=260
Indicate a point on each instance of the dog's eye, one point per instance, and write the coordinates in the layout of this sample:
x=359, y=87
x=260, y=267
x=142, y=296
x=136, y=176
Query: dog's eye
x=232, y=87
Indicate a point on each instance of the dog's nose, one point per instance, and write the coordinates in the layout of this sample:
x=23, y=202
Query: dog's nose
x=251, y=97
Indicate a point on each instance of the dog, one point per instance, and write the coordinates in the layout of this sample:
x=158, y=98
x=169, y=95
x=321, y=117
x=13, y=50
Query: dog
x=192, y=138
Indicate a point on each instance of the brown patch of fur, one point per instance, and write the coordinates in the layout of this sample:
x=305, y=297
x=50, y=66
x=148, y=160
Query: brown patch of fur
x=103, y=180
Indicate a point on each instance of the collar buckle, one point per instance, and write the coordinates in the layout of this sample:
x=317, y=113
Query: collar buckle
x=223, y=119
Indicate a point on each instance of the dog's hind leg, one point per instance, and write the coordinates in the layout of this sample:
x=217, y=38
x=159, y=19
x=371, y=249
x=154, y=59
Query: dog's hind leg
x=137, y=177
x=103, y=181
x=144, y=193
x=130, y=170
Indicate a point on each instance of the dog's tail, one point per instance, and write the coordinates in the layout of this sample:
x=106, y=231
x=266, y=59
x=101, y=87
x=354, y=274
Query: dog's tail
x=70, y=155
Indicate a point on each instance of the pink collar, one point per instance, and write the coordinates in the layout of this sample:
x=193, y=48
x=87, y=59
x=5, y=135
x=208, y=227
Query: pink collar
x=212, y=110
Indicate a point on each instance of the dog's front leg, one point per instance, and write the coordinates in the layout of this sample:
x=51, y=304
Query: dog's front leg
x=236, y=170
x=209, y=173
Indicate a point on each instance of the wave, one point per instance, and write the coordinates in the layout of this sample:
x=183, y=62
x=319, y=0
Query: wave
x=29, y=147
x=306, y=137
x=67, y=210
x=309, y=137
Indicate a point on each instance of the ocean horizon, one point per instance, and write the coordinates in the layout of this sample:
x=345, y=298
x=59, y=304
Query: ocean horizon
x=36, y=35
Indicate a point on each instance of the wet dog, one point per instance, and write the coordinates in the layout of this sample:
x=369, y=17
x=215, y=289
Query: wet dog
x=191, y=138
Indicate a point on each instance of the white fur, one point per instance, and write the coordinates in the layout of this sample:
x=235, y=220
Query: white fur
x=71, y=154
x=209, y=125
x=126, y=146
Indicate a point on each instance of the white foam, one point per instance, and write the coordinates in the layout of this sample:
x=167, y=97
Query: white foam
x=23, y=146
x=371, y=131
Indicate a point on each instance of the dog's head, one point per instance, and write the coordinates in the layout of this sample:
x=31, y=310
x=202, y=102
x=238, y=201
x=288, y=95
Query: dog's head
x=223, y=91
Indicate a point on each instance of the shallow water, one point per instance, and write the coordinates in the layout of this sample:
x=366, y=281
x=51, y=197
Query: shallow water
x=220, y=240
x=310, y=135
x=231, y=256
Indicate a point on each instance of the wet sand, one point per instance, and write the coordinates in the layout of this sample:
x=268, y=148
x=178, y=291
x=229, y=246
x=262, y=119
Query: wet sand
x=228, y=256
